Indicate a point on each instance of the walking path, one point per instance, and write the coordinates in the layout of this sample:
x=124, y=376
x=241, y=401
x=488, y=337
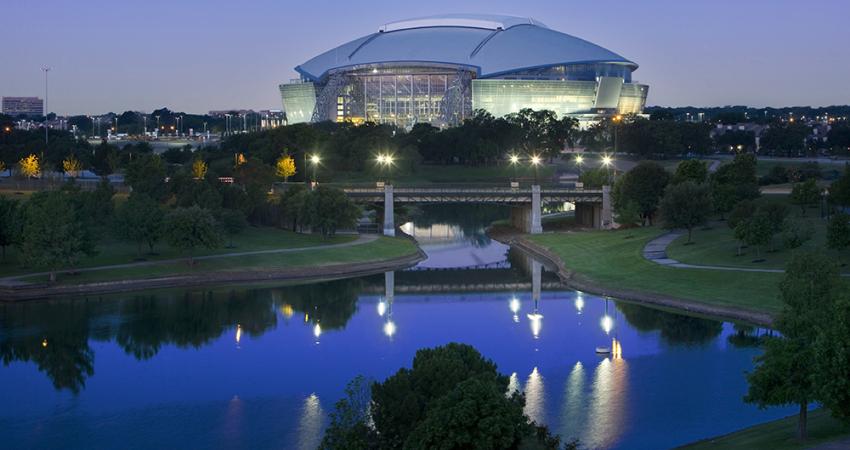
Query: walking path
x=656, y=251
x=362, y=239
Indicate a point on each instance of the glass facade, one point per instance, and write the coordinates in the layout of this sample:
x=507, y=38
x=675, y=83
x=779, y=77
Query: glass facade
x=299, y=101
x=407, y=95
x=502, y=97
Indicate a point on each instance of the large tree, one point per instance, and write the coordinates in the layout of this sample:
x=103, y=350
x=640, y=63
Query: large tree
x=644, y=185
x=838, y=232
x=54, y=235
x=191, y=228
x=140, y=220
x=686, y=205
x=146, y=175
x=785, y=372
x=691, y=170
x=329, y=210
x=10, y=222
x=805, y=195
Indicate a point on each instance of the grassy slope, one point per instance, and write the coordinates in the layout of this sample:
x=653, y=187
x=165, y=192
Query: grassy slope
x=111, y=251
x=777, y=435
x=615, y=261
x=381, y=249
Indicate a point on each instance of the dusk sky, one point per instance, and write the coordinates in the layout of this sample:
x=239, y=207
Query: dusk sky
x=200, y=55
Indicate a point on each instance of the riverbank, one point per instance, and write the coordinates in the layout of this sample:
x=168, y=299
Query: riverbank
x=824, y=433
x=365, y=257
x=611, y=263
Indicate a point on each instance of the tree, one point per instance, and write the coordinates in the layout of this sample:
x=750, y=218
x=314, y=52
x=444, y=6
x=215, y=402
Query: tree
x=349, y=427
x=795, y=234
x=10, y=222
x=72, y=166
x=146, y=175
x=644, y=185
x=232, y=222
x=832, y=360
x=838, y=232
x=693, y=170
x=686, y=205
x=785, y=372
x=190, y=228
x=29, y=166
x=629, y=215
x=285, y=167
x=805, y=195
x=140, y=220
x=53, y=234
x=756, y=231
x=199, y=169
x=330, y=209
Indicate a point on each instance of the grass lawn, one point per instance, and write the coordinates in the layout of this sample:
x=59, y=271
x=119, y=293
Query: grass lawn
x=613, y=259
x=717, y=246
x=381, y=249
x=112, y=251
x=778, y=435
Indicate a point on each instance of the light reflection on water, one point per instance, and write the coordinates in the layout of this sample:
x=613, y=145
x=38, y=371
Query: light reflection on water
x=311, y=423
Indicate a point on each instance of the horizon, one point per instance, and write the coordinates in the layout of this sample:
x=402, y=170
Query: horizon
x=202, y=56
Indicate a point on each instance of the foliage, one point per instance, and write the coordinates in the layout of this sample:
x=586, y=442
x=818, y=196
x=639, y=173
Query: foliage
x=785, y=139
x=691, y=170
x=795, y=234
x=832, y=360
x=644, y=185
x=232, y=222
x=54, y=235
x=838, y=232
x=285, y=167
x=29, y=166
x=191, y=228
x=10, y=222
x=72, y=166
x=756, y=231
x=805, y=195
x=140, y=219
x=686, y=205
x=596, y=178
x=330, y=209
x=839, y=190
x=451, y=398
x=199, y=169
x=628, y=215
x=146, y=175
x=734, y=181
x=785, y=372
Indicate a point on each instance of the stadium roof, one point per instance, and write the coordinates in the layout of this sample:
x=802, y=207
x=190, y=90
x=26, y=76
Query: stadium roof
x=490, y=44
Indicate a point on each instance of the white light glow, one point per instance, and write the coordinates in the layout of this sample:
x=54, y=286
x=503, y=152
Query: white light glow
x=607, y=323
x=317, y=330
x=579, y=303
x=389, y=328
x=382, y=308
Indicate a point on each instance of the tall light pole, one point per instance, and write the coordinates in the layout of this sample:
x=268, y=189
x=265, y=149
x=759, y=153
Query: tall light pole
x=45, y=69
x=579, y=162
x=514, y=160
x=535, y=162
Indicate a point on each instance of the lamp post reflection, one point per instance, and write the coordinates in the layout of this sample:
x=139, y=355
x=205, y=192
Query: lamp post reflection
x=238, y=334
x=389, y=296
x=515, y=306
x=579, y=302
x=535, y=396
x=535, y=318
x=311, y=424
x=607, y=322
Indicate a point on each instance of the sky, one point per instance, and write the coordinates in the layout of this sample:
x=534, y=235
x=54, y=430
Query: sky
x=200, y=55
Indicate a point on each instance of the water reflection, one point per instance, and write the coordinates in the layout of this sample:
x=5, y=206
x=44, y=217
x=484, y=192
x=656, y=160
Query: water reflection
x=535, y=397
x=608, y=403
x=674, y=328
x=311, y=423
x=573, y=409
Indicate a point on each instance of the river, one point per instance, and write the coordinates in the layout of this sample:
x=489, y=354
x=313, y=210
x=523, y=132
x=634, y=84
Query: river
x=261, y=367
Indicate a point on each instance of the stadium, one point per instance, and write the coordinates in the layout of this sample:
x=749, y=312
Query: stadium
x=439, y=69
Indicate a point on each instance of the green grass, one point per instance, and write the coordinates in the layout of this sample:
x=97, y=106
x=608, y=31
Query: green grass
x=778, y=435
x=614, y=259
x=112, y=251
x=717, y=246
x=382, y=249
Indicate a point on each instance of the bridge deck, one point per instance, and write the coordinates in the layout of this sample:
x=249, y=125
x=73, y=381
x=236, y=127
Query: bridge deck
x=450, y=194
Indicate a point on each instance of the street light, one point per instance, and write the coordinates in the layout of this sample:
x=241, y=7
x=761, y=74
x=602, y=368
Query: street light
x=535, y=162
x=579, y=161
x=315, y=160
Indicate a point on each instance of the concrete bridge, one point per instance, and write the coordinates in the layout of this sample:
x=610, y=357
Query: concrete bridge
x=593, y=206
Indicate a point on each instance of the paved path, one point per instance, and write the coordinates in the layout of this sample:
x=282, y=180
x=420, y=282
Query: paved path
x=362, y=239
x=656, y=251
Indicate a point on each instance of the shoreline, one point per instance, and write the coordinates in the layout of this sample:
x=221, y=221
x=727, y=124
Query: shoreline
x=575, y=281
x=31, y=292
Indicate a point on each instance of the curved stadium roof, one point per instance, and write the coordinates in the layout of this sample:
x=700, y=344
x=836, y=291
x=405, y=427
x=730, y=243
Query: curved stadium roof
x=491, y=45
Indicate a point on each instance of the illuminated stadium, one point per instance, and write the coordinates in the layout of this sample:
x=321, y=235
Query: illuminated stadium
x=439, y=69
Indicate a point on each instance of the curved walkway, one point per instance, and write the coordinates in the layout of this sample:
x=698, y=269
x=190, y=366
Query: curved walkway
x=656, y=251
x=362, y=239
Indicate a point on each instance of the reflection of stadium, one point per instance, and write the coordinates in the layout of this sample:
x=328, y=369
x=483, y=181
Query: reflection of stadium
x=439, y=69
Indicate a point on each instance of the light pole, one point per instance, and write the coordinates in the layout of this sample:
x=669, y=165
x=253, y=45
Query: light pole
x=535, y=162
x=607, y=161
x=315, y=160
x=514, y=160
x=45, y=69
x=385, y=161
x=579, y=161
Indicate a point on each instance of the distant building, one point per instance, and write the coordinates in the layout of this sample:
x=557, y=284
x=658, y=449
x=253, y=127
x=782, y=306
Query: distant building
x=23, y=106
x=440, y=69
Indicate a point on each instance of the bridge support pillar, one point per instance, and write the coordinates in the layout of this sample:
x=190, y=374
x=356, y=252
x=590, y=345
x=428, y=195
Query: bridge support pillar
x=536, y=211
x=607, y=213
x=389, y=222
